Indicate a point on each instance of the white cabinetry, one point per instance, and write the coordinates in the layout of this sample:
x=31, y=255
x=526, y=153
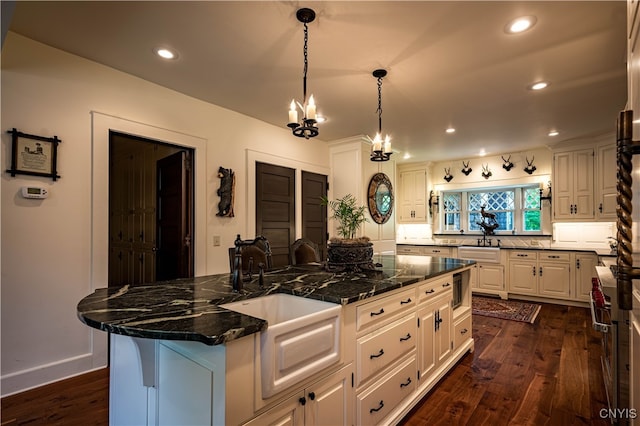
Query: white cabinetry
x=412, y=202
x=385, y=355
x=326, y=402
x=573, y=184
x=545, y=274
x=490, y=278
x=434, y=325
x=607, y=182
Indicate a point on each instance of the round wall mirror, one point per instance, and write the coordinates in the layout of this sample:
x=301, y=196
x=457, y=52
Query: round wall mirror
x=380, y=197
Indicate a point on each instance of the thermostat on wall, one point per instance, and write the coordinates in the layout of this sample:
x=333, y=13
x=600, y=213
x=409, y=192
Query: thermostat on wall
x=34, y=192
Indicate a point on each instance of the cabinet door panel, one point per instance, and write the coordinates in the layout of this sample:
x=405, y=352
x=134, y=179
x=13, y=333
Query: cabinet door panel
x=491, y=277
x=329, y=402
x=522, y=277
x=554, y=280
x=585, y=270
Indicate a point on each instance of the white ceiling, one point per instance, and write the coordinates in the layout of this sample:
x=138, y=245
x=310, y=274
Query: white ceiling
x=449, y=63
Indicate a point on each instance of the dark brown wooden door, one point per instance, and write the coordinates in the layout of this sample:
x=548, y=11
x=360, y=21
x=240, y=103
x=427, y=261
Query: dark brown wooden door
x=314, y=215
x=174, y=254
x=275, y=209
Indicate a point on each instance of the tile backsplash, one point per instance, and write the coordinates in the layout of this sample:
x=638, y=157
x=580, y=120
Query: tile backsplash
x=593, y=235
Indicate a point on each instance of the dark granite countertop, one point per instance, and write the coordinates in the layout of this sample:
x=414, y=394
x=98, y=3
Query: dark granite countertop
x=188, y=309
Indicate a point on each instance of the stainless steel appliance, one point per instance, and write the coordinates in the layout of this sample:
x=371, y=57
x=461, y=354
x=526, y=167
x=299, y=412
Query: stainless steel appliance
x=612, y=322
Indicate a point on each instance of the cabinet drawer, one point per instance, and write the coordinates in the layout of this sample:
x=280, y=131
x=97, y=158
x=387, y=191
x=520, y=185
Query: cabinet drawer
x=408, y=250
x=554, y=257
x=437, y=251
x=523, y=254
x=435, y=288
x=380, y=310
x=377, y=350
x=461, y=331
x=380, y=399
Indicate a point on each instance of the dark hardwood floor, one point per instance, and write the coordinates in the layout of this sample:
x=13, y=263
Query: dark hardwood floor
x=547, y=373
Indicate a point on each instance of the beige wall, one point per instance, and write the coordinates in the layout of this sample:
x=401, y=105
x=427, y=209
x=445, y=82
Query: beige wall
x=53, y=249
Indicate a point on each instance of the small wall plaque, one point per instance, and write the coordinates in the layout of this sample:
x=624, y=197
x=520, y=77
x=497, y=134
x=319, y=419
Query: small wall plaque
x=33, y=155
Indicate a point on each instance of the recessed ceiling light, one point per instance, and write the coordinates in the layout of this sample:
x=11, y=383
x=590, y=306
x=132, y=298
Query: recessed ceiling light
x=166, y=53
x=520, y=24
x=450, y=130
x=406, y=156
x=482, y=152
x=539, y=85
x=554, y=133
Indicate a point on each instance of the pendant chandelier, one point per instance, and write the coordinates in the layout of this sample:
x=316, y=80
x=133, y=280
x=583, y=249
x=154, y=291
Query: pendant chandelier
x=306, y=128
x=380, y=149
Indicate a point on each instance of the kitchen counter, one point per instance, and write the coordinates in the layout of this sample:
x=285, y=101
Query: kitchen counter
x=188, y=309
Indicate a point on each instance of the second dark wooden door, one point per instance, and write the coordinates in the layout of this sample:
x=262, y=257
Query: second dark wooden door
x=275, y=209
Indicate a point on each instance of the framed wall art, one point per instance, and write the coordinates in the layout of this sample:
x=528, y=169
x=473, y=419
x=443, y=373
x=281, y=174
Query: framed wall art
x=33, y=155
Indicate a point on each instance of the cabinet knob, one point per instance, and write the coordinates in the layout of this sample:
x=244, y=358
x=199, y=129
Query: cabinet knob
x=302, y=400
x=312, y=396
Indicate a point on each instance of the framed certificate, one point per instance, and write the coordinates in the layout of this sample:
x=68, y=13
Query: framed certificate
x=33, y=155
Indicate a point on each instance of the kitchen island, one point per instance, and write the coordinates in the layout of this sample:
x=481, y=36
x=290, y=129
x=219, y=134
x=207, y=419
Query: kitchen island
x=177, y=355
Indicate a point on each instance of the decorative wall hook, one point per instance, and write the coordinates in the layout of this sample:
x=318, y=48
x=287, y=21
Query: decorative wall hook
x=486, y=173
x=448, y=176
x=466, y=169
x=530, y=167
x=508, y=165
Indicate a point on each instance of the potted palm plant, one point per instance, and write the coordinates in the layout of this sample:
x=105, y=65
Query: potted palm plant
x=348, y=252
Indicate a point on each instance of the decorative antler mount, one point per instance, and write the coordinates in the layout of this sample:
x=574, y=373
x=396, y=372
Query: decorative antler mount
x=486, y=173
x=466, y=169
x=447, y=174
x=508, y=165
x=530, y=167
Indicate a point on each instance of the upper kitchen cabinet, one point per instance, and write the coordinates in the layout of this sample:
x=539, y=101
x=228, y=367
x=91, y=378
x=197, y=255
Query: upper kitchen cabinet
x=607, y=182
x=412, y=199
x=573, y=185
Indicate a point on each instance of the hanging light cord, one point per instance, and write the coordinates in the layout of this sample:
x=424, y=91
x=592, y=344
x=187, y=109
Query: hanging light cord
x=306, y=65
x=380, y=106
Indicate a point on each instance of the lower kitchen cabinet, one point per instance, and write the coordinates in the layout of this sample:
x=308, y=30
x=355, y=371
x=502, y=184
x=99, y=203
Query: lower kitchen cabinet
x=434, y=333
x=545, y=274
x=327, y=402
x=491, y=277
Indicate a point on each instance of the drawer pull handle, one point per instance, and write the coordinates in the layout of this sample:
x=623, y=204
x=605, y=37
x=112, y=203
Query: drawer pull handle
x=377, y=356
x=554, y=257
x=380, y=312
x=407, y=337
x=429, y=291
x=464, y=331
x=522, y=255
x=402, y=385
x=375, y=410
x=436, y=251
x=446, y=284
x=404, y=302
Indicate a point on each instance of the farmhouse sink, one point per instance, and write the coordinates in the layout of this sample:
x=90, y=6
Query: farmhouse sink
x=479, y=254
x=302, y=337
